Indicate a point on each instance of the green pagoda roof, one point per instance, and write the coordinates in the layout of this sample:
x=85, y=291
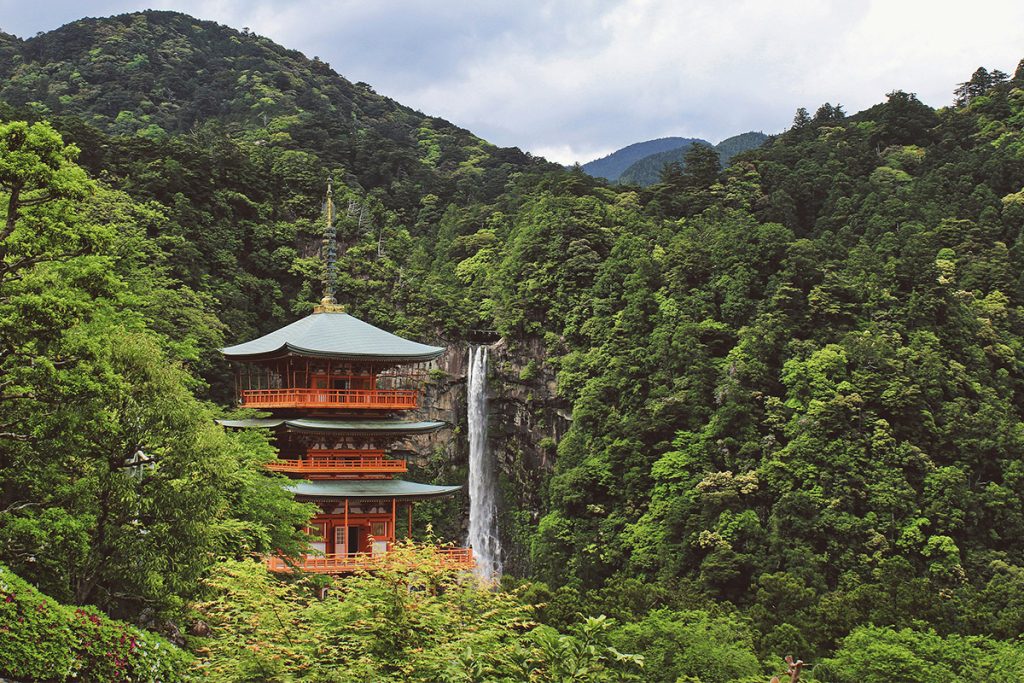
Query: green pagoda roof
x=367, y=489
x=395, y=426
x=333, y=335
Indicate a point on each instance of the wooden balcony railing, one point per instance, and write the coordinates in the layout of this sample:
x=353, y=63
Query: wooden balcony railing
x=457, y=558
x=335, y=462
x=452, y=558
x=388, y=399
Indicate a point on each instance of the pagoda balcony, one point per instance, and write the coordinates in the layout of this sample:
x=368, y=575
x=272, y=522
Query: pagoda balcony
x=375, y=399
x=319, y=464
x=341, y=563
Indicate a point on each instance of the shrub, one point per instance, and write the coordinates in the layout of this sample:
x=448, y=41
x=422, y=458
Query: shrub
x=40, y=639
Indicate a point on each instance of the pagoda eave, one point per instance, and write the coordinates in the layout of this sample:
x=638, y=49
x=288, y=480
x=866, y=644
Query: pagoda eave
x=333, y=336
x=350, y=426
x=330, y=490
x=289, y=351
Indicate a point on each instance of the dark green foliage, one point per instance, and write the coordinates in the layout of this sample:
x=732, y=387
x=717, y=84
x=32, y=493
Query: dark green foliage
x=731, y=146
x=235, y=136
x=817, y=418
x=981, y=82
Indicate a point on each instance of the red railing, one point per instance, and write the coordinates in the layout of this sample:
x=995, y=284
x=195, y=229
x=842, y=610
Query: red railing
x=335, y=563
x=461, y=558
x=396, y=399
x=341, y=563
x=328, y=462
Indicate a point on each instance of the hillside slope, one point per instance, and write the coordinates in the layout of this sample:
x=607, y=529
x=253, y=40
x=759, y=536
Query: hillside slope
x=155, y=74
x=235, y=136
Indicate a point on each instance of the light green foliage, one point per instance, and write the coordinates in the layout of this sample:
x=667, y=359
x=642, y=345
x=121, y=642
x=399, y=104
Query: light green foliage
x=411, y=620
x=677, y=645
x=116, y=488
x=879, y=655
x=39, y=183
x=579, y=658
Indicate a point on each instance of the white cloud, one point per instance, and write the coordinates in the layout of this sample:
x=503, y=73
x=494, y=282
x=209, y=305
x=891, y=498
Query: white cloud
x=572, y=80
x=651, y=68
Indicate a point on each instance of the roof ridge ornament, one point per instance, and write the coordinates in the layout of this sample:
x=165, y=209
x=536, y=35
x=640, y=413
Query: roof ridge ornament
x=328, y=304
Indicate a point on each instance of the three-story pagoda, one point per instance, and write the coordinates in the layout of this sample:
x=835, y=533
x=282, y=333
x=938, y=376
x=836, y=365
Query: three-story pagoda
x=337, y=389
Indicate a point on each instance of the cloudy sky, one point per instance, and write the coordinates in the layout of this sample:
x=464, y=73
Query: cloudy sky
x=576, y=79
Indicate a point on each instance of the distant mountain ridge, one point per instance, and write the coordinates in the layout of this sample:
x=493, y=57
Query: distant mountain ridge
x=612, y=166
x=647, y=171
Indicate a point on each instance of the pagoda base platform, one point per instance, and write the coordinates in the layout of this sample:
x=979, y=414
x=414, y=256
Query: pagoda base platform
x=346, y=563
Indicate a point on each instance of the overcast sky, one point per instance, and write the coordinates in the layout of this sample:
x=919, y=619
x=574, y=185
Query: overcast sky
x=577, y=79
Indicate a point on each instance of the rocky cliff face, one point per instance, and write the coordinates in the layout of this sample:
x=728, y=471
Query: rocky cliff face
x=526, y=420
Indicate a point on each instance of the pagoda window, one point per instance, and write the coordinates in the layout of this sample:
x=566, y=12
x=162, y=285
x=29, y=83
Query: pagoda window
x=318, y=530
x=260, y=377
x=339, y=539
x=342, y=381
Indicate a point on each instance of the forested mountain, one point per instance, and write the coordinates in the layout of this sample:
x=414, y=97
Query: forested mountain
x=647, y=171
x=155, y=74
x=235, y=136
x=610, y=167
x=9, y=46
x=776, y=408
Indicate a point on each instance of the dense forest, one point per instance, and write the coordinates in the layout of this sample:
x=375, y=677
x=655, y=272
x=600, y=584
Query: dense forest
x=796, y=384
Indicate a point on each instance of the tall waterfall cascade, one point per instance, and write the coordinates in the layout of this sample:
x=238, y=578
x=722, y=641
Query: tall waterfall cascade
x=483, y=479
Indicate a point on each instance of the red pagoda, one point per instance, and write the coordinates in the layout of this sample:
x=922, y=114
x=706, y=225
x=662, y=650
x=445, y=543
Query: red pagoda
x=337, y=389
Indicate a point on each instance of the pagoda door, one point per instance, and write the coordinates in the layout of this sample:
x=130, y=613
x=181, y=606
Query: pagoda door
x=340, y=545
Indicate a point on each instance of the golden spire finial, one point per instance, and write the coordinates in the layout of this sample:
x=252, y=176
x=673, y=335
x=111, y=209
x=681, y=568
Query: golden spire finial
x=328, y=304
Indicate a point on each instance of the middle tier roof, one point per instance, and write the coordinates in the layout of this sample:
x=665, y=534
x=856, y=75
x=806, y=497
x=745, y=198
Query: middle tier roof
x=365, y=426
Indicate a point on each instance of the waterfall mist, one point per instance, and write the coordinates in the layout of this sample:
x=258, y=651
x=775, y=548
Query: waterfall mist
x=483, y=480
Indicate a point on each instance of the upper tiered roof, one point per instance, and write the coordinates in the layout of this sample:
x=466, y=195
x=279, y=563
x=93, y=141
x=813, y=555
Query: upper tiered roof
x=333, y=335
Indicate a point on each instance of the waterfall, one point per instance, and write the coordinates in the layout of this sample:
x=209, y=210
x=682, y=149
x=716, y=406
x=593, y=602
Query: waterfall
x=483, y=480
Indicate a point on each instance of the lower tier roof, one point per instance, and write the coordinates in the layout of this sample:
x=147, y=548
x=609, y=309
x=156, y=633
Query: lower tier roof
x=367, y=489
x=304, y=425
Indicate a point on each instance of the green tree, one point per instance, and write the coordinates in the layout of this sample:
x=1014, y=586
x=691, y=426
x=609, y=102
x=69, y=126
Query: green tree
x=116, y=488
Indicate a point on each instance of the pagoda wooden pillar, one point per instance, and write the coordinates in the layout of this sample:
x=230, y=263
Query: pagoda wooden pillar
x=344, y=534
